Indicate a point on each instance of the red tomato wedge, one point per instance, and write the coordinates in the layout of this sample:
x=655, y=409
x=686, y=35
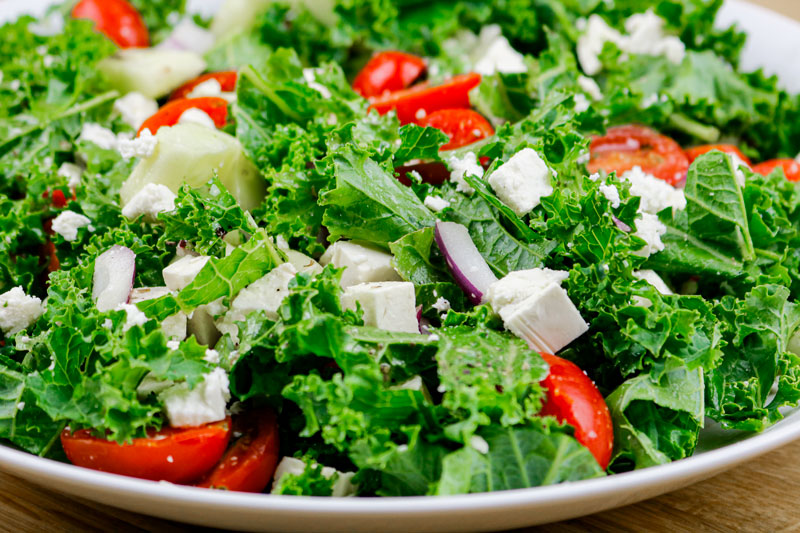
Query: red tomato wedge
x=388, y=72
x=250, y=463
x=697, y=151
x=116, y=19
x=625, y=147
x=452, y=94
x=791, y=168
x=227, y=82
x=170, y=114
x=462, y=126
x=574, y=399
x=177, y=455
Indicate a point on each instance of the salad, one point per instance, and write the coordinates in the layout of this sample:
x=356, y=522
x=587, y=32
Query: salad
x=364, y=247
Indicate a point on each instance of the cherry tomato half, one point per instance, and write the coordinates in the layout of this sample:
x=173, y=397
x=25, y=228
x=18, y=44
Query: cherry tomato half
x=791, y=168
x=227, y=82
x=170, y=114
x=250, y=463
x=625, y=147
x=452, y=94
x=116, y=19
x=697, y=151
x=388, y=72
x=574, y=399
x=462, y=126
x=177, y=455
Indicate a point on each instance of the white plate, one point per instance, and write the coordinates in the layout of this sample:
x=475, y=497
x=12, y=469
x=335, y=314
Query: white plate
x=477, y=512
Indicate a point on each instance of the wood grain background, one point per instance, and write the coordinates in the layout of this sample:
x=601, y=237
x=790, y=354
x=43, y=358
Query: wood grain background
x=761, y=496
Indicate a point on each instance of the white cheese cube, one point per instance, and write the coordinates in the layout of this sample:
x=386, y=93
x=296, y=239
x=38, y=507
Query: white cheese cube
x=202, y=405
x=142, y=146
x=343, y=486
x=68, y=223
x=97, y=134
x=655, y=194
x=389, y=305
x=534, y=307
x=266, y=294
x=194, y=115
x=72, y=172
x=650, y=230
x=173, y=327
x=153, y=199
x=497, y=54
x=464, y=166
x=362, y=264
x=182, y=272
x=522, y=181
x=135, y=108
x=133, y=317
x=18, y=311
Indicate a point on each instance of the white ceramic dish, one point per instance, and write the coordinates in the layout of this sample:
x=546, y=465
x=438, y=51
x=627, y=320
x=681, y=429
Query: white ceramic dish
x=478, y=512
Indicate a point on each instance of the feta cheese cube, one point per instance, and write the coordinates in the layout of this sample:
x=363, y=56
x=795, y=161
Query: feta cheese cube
x=68, y=223
x=202, y=405
x=436, y=204
x=266, y=294
x=390, y=306
x=97, y=134
x=135, y=108
x=342, y=487
x=534, y=307
x=208, y=88
x=153, y=199
x=194, y=115
x=656, y=195
x=173, y=327
x=460, y=167
x=72, y=172
x=142, y=146
x=497, y=54
x=182, y=272
x=133, y=317
x=18, y=311
x=522, y=181
x=650, y=230
x=362, y=264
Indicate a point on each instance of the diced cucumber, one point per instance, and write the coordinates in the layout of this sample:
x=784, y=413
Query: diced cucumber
x=189, y=153
x=150, y=71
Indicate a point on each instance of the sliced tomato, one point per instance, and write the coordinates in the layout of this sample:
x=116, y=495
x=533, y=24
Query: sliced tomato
x=697, y=151
x=574, y=399
x=462, y=126
x=624, y=147
x=116, y=19
x=250, y=463
x=177, y=455
x=170, y=114
x=411, y=103
x=388, y=72
x=791, y=168
x=227, y=82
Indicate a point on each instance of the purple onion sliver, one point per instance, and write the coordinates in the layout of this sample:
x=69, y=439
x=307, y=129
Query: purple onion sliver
x=621, y=225
x=469, y=268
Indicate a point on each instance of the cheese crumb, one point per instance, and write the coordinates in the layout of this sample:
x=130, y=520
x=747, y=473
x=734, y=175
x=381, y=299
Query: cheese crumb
x=150, y=201
x=133, y=316
x=522, y=181
x=460, y=167
x=135, y=108
x=436, y=204
x=202, y=405
x=68, y=223
x=590, y=87
x=650, y=230
x=72, y=172
x=197, y=116
x=18, y=311
x=142, y=146
x=97, y=134
x=611, y=193
x=656, y=195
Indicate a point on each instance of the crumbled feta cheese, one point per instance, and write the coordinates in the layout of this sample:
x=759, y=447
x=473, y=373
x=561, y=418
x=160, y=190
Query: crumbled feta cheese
x=72, y=172
x=182, y=272
x=197, y=116
x=611, y=193
x=310, y=75
x=174, y=345
x=202, y=405
x=497, y=54
x=479, y=444
x=656, y=195
x=265, y=295
x=142, y=146
x=68, y=223
x=653, y=279
x=645, y=36
x=650, y=230
x=522, y=181
x=208, y=88
x=436, y=203
x=135, y=108
x=14, y=85
x=18, y=311
x=212, y=356
x=582, y=104
x=133, y=316
x=362, y=264
x=173, y=327
x=421, y=114
x=153, y=199
x=534, y=307
x=389, y=305
x=590, y=87
x=97, y=134
x=442, y=305
x=342, y=487
x=460, y=167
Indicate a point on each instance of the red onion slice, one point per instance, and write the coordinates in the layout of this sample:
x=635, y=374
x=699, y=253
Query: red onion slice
x=468, y=266
x=621, y=225
x=114, y=271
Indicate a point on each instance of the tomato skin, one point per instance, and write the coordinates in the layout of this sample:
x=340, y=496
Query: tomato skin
x=574, y=399
x=388, y=72
x=462, y=126
x=250, y=463
x=177, y=455
x=624, y=147
x=216, y=108
x=790, y=167
x=697, y=151
x=227, y=81
x=116, y=19
x=452, y=94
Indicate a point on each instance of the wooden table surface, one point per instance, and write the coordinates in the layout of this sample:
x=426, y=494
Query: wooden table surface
x=760, y=496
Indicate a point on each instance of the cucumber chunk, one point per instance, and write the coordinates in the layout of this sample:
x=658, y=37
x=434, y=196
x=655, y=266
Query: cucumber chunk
x=150, y=71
